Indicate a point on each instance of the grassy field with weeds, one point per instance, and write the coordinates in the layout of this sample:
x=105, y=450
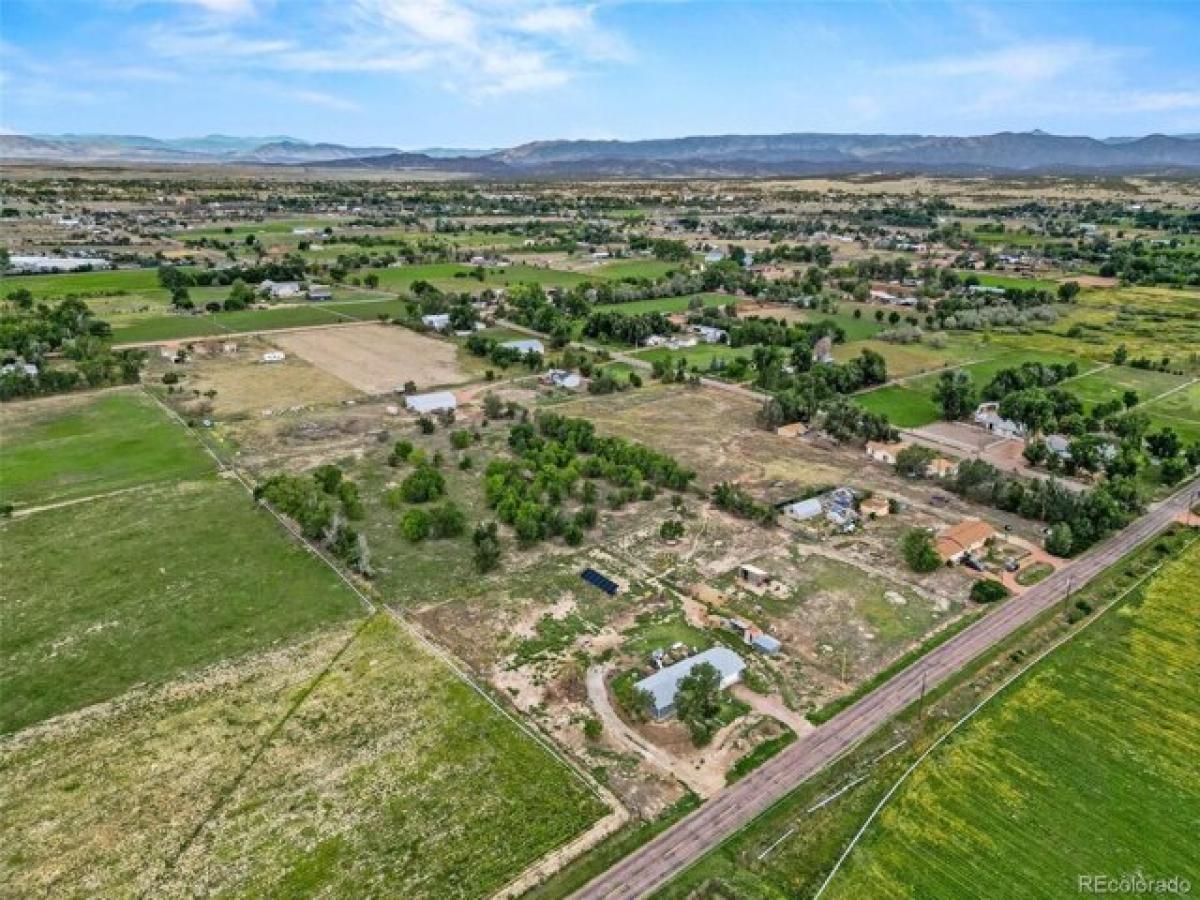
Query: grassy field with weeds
x=143, y=587
x=351, y=763
x=75, y=446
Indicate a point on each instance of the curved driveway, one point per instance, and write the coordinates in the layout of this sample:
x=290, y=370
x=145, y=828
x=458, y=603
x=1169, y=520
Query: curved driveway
x=679, y=846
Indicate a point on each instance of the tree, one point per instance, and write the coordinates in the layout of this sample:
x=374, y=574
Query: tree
x=1130, y=399
x=446, y=521
x=240, y=295
x=1120, y=355
x=671, y=530
x=914, y=460
x=918, y=550
x=415, y=525
x=425, y=483
x=1173, y=470
x=1036, y=451
x=698, y=701
x=426, y=425
x=1068, y=291
x=955, y=392
x=492, y=405
x=988, y=591
x=487, y=547
x=1060, y=540
x=1164, y=444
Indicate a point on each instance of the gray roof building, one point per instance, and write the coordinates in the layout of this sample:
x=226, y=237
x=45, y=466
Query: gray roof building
x=529, y=345
x=663, y=684
x=438, y=401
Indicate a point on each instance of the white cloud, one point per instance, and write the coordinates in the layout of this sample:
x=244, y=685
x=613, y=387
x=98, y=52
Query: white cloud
x=1024, y=63
x=327, y=101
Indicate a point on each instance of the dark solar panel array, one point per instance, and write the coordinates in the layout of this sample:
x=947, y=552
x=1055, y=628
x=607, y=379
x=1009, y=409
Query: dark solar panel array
x=606, y=584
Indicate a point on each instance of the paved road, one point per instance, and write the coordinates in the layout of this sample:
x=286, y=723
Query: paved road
x=675, y=849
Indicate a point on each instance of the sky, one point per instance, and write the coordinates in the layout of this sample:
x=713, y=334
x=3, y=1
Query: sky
x=496, y=73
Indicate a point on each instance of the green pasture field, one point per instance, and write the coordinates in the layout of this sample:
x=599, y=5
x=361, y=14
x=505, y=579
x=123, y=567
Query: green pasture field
x=665, y=305
x=143, y=587
x=74, y=446
x=1085, y=765
x=859, y=329
x=1111, y=383
x=638, y=268
x=456, y=277
x=350, y=762
x=50, y=287
x=177, y=327
x=1181, y=411
x=1012, y=281
x=903, y=360
x=697, y=357
x=905, y=407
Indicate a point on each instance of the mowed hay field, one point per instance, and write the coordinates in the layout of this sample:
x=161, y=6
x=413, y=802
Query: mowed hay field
x=74, y=446
x=1087, y=765
x=350, y=764
x=377, y=359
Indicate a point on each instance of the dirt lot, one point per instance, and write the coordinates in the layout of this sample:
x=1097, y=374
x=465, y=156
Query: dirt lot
x=378, y=359
x=957, y=436
x=245, y=384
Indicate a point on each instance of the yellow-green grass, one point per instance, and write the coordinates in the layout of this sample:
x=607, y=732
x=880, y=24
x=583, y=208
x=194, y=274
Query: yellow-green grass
x=1112, y=382
x=1180, y=410
x=1012, y=281
x=697, y=357
x=69, y=447
x=904, y=406
x=902, y=360
x=664, y=305
x=144, y=586
x=638, y=268
x=177, y=327
x=351, y=763
x=49, y=287
x=1086, y=765
x=455, y=277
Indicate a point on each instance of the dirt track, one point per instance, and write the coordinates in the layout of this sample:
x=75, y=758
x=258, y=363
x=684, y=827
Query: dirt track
x=681, y=845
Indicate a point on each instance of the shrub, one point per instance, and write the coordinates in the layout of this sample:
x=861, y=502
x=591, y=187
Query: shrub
x=988, y=591
x=424, y=484
x=415, y=525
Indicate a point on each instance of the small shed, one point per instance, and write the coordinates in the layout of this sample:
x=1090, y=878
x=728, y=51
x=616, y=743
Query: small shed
x=764, y=643
x=438, y=401
x=273, y=356
x=803, y=510
x=753, y=574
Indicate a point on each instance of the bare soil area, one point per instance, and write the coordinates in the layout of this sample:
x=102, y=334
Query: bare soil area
x=378, y=359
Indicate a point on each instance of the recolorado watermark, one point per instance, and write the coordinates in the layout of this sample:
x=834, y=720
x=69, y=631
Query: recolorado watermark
x=1133, y=884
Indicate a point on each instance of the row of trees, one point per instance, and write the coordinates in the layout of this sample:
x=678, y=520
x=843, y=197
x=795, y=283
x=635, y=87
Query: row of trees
x=323, y=504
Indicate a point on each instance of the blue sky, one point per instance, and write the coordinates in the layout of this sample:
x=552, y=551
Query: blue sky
x=490, y=73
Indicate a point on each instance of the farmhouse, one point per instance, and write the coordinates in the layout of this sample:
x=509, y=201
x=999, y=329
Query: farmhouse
x=526, y=346
x=280, y=290
x=886, y=453
x=663, y=685
x=436, y=321
x=988, y=416
x=959, y=541
x=710, y=335
x=438, y=401
x=561, y=378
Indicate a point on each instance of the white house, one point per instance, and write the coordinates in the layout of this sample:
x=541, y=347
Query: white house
x=709, y=334
x=988, y=416
x=438, y=401
x=437, y=321
x=280, y=290
x=561, y=378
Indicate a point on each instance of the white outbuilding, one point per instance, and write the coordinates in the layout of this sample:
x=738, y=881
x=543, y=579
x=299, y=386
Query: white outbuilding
x=434, y=402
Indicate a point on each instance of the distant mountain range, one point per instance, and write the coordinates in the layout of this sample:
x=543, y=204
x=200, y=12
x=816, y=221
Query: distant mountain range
x=713, y=156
